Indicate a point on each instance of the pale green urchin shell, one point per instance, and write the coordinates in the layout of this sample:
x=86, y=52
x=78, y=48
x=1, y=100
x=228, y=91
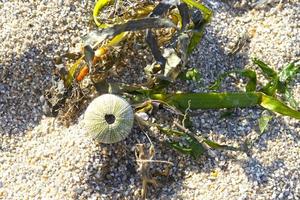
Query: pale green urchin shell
x=109, y=118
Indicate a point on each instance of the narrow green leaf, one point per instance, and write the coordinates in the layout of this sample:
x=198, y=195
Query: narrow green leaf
x=170, y=132
x=285, y=76
x=210, y=100
x=192, y=147
x=196, y=38
x=274, y=84
x=289, y=72
x=251, y=75
x=100, y=4
x=275, y=105
x=281, y=87
x=267, y=71
x=199, y=27
x=263, y=122
x=271, y=87
x=215, y=145
x=206, y=11
x=226, y=100
x=181, y=149
x=197, y=148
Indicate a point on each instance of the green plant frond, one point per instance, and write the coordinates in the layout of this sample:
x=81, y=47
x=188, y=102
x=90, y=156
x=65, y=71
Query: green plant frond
x=210, y=100
x=288, y=72
x=277, y=106
x=267, y=71
x=198, y=30
x=171, y=132
x=181, y=149
x=206, y=11
x=251, y=75
x=196, y=38
x=215, y=145
x=271, y=87
x=100, y=4
x=227, y=100
x=263, y=122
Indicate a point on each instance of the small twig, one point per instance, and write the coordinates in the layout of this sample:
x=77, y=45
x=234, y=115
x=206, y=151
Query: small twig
x=155, y=161
x=186, y=112
x=148, y=138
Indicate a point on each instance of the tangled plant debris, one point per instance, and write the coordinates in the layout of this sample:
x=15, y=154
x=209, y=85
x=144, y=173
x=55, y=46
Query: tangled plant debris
x=172, y=29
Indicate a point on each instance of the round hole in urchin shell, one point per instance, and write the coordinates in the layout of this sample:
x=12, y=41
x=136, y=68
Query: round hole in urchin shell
x=110, y=118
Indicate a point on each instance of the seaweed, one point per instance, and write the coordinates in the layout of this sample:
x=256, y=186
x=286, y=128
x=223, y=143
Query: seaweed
x=88, y=76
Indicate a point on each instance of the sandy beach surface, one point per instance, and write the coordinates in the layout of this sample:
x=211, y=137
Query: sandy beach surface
x=40, y=159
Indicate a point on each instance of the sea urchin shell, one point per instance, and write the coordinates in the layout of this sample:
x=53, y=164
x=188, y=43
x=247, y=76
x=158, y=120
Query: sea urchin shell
x=109, y=118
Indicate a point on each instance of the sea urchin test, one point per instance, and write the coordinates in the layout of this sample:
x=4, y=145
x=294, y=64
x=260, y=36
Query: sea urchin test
x=109, y=118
